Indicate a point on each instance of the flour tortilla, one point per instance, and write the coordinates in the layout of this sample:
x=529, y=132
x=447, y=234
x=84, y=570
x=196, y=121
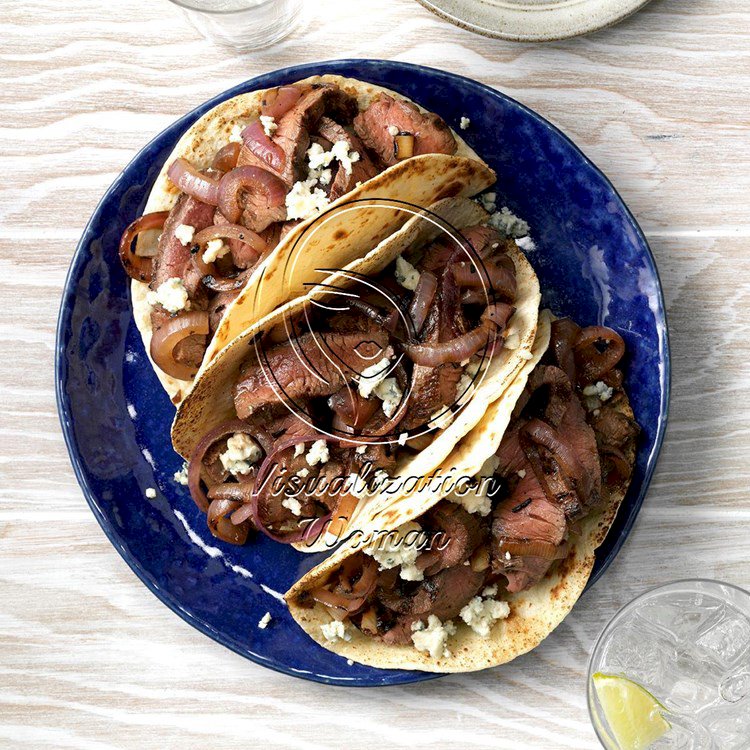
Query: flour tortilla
x=534, y=614
x=210, y=401
x=421, y=180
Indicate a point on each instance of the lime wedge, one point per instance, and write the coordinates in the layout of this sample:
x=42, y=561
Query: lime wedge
x=633, y=714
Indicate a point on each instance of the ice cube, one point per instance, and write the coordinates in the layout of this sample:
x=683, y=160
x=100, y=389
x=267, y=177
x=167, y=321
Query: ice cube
x=727, y=640
x=728, y=725
x=686, y=733
x=640, y=656
x=681, y=616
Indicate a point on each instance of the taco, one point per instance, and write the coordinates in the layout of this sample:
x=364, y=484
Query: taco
x=379, y=372
x=478, y=576
x=244, y=181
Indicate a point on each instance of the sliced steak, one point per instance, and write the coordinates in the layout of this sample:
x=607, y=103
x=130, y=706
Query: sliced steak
x=315, y=365
x=443, y=595
x=525, y=517
x=173, y=258
x=433, y=388
x=461, y=534
x=431, y=134
x=363, y=169
x=257, y=214
x=294, y=128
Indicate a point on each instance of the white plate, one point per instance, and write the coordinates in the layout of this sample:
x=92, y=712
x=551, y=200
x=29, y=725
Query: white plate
x=533, y=20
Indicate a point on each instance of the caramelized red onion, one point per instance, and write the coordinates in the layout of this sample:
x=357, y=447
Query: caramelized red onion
x=250, y=179
x=424, y=294
x=277, y=102
x=195, y=464
x=559, y=484
x=255, y=138
x=170, y=334
x=597, y=350
x=226, y=157
x=139, y=267
x=186, y=177
x=263, y=486
x=465, y=346
x=225, y=528
x=564, y=335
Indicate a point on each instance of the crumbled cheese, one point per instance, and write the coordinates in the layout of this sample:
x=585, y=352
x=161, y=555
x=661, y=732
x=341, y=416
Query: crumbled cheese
x=490, y=590
x=303, y=472
x=269, y=125
x=215, y=249
x=390, y=394
x=465, y=122
x=264, y=621
x=299, y=449
x=393, y=130
x=371, y=377
x=526, y=354
x=433, y=638
x=521, y=473
x=150, y=493
x=475, y=498
x=334, y=631
x=403, y=437
x=507, y=555
x=292, y=504
x=361, y=449
x=346, y=158
x=442, y=418
x=325, y=176
x=305, y=200
x=488, y=202
x=171, y=295
x=480, y=614
x=526, y=244
x=236, y=135
x=400, y=547
x=184, y=233
x=508, y=223
x=317, y=157
x=406, y=274
x=241, y=452
x=181, y=476
x=599, y=390
x=318, y=453
x=350, y=662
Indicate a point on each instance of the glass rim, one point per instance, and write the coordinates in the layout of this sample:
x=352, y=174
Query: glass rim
x=617, y=616
x=249, y=5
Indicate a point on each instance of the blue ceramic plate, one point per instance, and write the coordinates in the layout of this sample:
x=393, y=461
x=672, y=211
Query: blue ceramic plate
x=593, y=263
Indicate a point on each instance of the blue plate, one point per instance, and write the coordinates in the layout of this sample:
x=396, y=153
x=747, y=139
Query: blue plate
x=594, y=265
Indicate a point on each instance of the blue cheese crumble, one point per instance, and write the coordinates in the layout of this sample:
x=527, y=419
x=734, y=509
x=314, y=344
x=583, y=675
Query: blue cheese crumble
x=481, y=614
x=184, y=233
x=242, y=451
x=334, y=631
x=171, y=295
x=264, y=621
x=406, y=274
x=432, y=638
x=318, y=453
x=400, y=547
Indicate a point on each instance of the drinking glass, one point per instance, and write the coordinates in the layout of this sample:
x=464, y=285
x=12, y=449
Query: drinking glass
x=243, y=24
x=688, y=644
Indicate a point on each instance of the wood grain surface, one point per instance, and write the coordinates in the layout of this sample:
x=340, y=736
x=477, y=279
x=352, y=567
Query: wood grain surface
x=88, y=657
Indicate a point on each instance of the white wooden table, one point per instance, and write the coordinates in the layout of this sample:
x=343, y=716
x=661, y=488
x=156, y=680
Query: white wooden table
x=88, y=657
